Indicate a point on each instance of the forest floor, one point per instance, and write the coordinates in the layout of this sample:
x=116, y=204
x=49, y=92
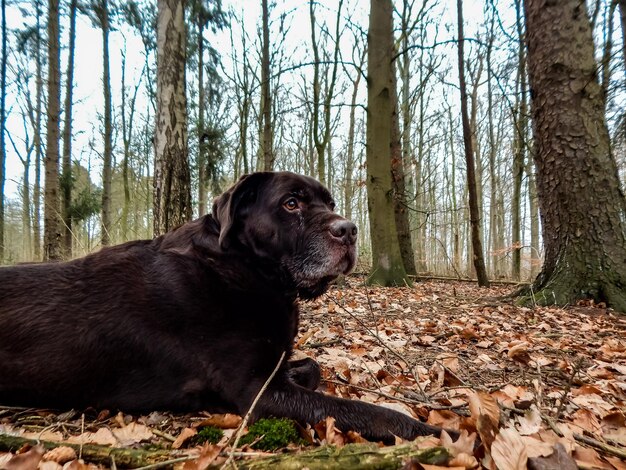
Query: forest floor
x=545, y=388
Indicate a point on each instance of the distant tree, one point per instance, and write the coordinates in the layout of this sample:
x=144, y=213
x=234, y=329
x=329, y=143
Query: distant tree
x=583, y=209
x=322, y=99
x=266, y=148
x=387, y=266
x=52, y=208
x=478, y=258
x=205, y=14
x=3, y=94
x=172, y=179
x=66, y=175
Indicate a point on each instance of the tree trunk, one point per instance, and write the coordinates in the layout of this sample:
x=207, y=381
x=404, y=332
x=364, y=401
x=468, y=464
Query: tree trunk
x=400, y=204
x=172, y=181
x=622, y=22
x=67, y=182
x=519, y=149
x=108, y=129
x=202, y=157
x=37, y=138
x=266, y=150
x=582, y=206
x=478, y=259
x=387, y=266
x=321, y=138
x=3, y=95
x=350, y=158
x=52, y=226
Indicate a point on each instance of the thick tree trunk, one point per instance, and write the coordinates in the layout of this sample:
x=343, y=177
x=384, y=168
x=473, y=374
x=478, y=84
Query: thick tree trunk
x=67, y=182
x=108, y=129
x=52, y=208
x=172, y=181
x=582, y=206
x=477, y=248
x=387, y=266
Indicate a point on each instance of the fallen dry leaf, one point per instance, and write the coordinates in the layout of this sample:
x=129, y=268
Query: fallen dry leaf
x=222, y=421
x=60, y=454
x=131, y=434
x=508, y=450
x=183, y=437
x=485, y=410
x=208, y=455
x=28, y=460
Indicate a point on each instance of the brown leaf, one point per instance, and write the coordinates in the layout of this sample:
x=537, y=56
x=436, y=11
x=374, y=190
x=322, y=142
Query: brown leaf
x=103, y=437
x=508, y=450
x=61, y=454
x=485, y=410
x=132, y=434
x=208, y=454
x=222, y=421
x=184, y=435
x=558, y=459
x=28, y=460
x=463, y=445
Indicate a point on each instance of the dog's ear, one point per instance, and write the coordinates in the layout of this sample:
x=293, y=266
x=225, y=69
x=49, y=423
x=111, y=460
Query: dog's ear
x=232, y=203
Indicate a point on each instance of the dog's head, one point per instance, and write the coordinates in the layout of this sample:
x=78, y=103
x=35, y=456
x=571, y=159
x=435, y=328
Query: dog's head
x=287, y=218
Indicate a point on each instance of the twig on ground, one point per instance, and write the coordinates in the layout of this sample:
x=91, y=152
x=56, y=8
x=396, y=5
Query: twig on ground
x=621, y=453
x=246, y=418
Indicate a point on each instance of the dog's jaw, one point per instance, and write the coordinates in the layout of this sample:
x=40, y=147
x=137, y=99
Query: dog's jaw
x=321, y=264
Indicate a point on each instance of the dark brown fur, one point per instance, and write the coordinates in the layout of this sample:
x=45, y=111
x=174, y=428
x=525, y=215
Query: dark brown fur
x=196, y=319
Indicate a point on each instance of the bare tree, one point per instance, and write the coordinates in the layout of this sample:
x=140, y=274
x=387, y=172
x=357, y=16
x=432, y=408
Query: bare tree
x=66, y=178
x=322, y=130
x=172, y=179
x=478, y=258
x=387, y=266
x=266, y=150
x=582, y=206
x=52, y=226
x=3, y=94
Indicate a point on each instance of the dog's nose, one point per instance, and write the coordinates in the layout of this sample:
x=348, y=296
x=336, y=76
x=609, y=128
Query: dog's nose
x=344, y=230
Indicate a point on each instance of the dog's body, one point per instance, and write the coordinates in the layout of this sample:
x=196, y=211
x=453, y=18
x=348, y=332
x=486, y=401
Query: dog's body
x=196, y=319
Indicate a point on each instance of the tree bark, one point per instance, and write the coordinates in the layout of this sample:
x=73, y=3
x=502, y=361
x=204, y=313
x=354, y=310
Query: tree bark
x=202, y=153
x=37, y=137
x=172, y=181
x=267, y=139
x=582, y=205
x=520, y=123
x=398, y=178
x=3, y=94
x=67, y=182
x=52, y=226
x=108, y=128
x=478, y=259
x=387, y=266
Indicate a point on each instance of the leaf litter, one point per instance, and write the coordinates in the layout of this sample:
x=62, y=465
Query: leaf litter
x=542, y=387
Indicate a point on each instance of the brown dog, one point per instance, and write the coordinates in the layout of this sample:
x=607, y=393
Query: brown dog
x=196, y=319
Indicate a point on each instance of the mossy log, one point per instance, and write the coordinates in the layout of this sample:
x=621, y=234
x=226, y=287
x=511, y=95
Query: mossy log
x=123, y=457
x=351, y=456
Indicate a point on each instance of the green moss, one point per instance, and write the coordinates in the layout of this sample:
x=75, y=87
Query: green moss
x=208, y=434
x=271, y=434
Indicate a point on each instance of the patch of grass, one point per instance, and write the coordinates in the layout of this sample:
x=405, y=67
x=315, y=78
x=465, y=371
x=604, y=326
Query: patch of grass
x=273, y=433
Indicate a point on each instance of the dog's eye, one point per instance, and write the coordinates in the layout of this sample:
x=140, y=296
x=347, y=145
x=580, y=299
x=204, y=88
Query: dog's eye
x=332, y=205
x=291, y=204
